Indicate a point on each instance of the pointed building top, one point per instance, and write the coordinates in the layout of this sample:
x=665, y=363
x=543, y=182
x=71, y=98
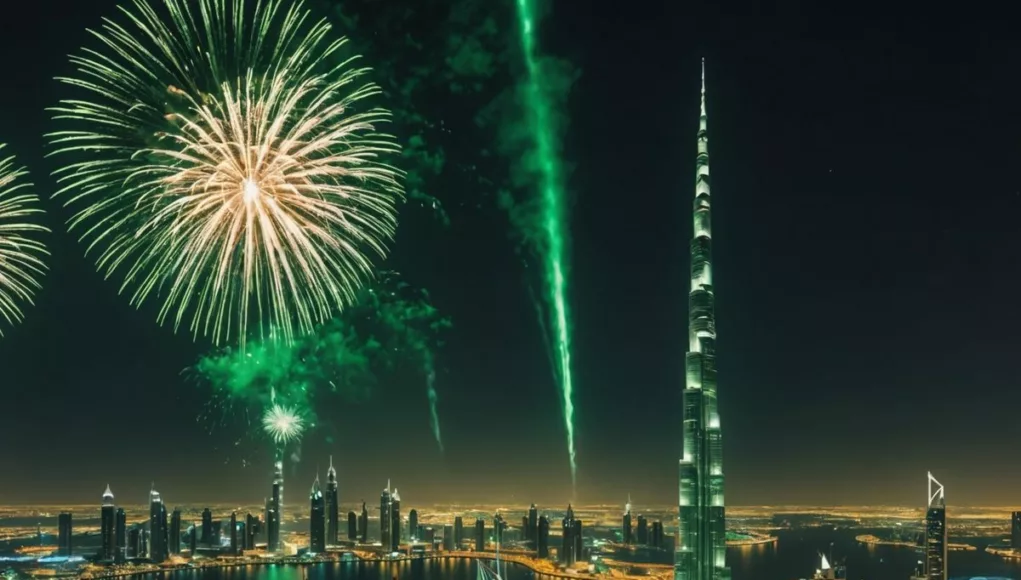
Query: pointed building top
x=331, y=472
x=703, y=95
x=627, y=506
x=396, y=495
x=108, y=496
x=315, y=484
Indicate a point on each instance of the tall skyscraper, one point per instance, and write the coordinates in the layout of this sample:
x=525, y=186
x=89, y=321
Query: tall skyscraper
x=657, y=540
x=317, y=519
x=107, y=526
x=175, y=532
x=332, y=507
x=448, y=538
x=157, y=527
x=480, y=534
x=275, y=505
x=499, y=526
x=542, y=537
x=458, y=532
x=385, y=518
x=642, y=532
x=234, y=543
x=568, y=554
x=121, y=536
x=701, y=553
x=936, y=533
x=65, y=530
x=363, y=525
x=352, y=527
x=1015, y=530
x=532, y=525
x=251, y=531
x=413, y=525
x=625, y=527
x=395, y=521
x=207, y=527
x=135, y=542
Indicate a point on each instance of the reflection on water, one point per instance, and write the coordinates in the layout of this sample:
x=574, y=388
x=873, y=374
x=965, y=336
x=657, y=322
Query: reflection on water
x=794, y=556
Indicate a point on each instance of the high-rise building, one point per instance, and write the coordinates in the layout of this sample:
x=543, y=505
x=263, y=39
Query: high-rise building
x=642, y=531
x=217, y=534
x=448, y=538
x=107, y=526
x=363, y=525
x=568, y=554
x=385, y=519
x=175, y=532
x=499, y=527
x=579, y=543
x=235, y=545
x=193, y=539
x=936, y=533
x=251, y=531
x=413, y=525
x=207, y=527
x=352, y=527
x=157, y=527
x=625, y=527
x=332, y=507
x=1015, y=530
x=136, y=543
x=531, y=525
x=65, y=531
x=480, y=535
x=274, y=509
x=429, y=537
x=701, y=551
x=395, y=521
x=458, y=532
x=317, y=519
x=542, y=538
x=121, y=535
x=657, y=540
x=242, y=532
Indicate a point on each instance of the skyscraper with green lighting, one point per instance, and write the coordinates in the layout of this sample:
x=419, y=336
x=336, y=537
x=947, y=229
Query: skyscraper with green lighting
x=701, y=550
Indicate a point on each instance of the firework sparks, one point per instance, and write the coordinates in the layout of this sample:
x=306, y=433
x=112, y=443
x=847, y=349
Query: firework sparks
x=21, y=249
x=283, y=424
x=225, y=163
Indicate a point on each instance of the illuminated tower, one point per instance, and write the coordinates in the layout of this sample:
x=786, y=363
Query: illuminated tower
x=384, y=517
x=107, y=526
x=701, y=553
x=532, y=526
x=317, y=519
x=395, y=521
x=625, y=528
x=936, y=533
x=332, y=507
x=273, y=508
x=157, y=527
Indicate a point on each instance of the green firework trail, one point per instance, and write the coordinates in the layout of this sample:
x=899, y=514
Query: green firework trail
x=391, y=326
x=553, y=216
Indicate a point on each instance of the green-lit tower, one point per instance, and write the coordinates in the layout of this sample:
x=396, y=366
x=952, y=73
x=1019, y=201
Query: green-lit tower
x=701, y=551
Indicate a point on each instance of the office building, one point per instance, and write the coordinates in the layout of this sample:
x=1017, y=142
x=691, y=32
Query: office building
x=458, y=532
x=317, y=519
x=395, y=521
x=480, y=535
x=642, y=531
x=207, y=527
x=352, y=527
x=531, y=523
x=121, y=536
x=1015, y=530
x=542, y=538
x=413, y=525
x=363, y=525
x=448, y=538
x=108, y=527
x=385, y=517
x=568, y=554
x=332, y=507
x=65, y=531
x=625, y=528
x=275, y=506
x=936, y=532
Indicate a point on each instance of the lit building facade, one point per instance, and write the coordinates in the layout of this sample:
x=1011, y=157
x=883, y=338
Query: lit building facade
x=701, y=551
x=275, y=505
x=317, y=519
x=936, y=532
x=626, y=531
x=385, y=517
x=1015, y=530
x=157, y=527
x=395, y=521
x=332, y=507
x=107, y=526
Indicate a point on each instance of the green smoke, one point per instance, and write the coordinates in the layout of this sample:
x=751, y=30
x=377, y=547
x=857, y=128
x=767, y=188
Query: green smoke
x=393, y=325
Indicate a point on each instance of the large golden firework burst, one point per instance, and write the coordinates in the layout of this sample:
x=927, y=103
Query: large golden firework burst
x=21, y=246
x=223, y=161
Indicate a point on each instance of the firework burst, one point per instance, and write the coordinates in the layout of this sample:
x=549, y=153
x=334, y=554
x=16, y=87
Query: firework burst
x=224, y=163
x=21, y=249
x=283, y=424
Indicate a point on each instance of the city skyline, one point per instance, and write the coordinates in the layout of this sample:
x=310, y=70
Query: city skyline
x=806, y=140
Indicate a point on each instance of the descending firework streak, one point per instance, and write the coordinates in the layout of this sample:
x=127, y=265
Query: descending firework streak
x=21, y=247
x=225, y=163
x=553, y=217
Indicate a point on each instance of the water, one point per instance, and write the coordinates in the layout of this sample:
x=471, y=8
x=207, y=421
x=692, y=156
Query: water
x=794, y=556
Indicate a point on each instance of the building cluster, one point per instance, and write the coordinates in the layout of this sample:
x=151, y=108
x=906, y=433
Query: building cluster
x=637, y=532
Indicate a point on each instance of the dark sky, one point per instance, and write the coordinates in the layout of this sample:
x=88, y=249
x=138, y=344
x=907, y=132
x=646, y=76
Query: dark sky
x=867, y=241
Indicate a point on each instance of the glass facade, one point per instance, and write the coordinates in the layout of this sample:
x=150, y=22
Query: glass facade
x=701, y=550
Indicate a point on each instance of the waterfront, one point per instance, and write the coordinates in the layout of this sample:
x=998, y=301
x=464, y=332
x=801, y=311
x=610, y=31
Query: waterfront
x=793, y=556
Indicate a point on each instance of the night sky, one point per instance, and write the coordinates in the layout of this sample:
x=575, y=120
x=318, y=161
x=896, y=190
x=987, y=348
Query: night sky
x=867, y=205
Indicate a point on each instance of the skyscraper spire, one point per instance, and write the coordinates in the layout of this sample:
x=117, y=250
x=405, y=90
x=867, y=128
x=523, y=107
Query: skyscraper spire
x=331, y=473
x=701, y=548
